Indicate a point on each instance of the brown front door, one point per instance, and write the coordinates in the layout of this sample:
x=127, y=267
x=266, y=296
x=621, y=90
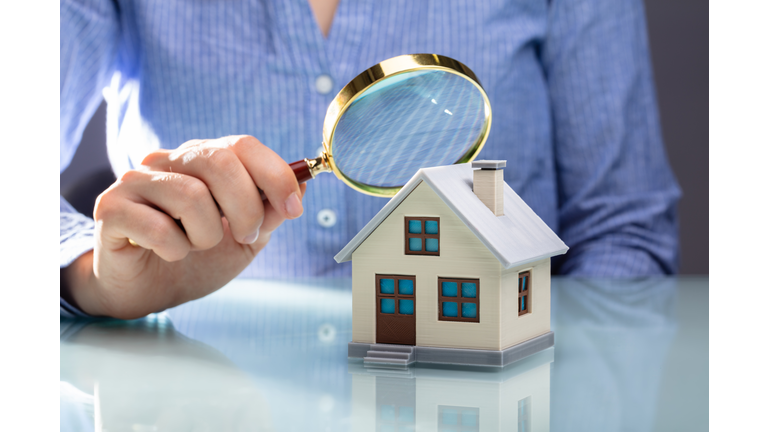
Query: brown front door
x=396, y=309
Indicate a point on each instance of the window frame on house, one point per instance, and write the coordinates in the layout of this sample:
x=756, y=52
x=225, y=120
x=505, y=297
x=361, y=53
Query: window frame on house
x=524, y=293
x=423, y=235
x=396, y=294
x=459, y=300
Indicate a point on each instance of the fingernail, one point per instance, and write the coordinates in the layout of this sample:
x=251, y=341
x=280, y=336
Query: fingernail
x=293, y=206
x=251, y=238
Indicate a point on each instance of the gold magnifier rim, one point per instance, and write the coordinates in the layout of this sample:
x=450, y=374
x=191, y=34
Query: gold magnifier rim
x=387, y=68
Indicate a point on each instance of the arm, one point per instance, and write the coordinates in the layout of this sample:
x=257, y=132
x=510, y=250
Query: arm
x=88, y=45
x=194, y=185
x=617, y=194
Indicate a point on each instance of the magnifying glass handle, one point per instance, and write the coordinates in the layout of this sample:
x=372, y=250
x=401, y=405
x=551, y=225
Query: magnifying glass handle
x=305, y=170
x=301, y=169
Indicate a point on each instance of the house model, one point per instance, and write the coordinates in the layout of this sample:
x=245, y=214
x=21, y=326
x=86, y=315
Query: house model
x=454, y=269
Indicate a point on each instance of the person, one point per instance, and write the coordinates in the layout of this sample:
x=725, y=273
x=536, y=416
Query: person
x=207, y=100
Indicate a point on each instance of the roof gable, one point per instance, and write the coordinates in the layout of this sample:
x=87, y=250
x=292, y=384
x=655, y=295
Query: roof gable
x=517, y=238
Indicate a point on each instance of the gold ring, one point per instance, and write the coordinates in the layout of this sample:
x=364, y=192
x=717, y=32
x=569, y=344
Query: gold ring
x=133, y=243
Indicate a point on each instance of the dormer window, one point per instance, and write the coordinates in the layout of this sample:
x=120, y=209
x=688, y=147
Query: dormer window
x=422, y=236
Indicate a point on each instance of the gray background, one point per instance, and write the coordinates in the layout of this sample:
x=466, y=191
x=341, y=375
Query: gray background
x=679, y=37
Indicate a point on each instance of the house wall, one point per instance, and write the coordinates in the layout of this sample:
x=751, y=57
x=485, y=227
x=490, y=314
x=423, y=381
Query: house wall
x=514, y=328
x=462, y=255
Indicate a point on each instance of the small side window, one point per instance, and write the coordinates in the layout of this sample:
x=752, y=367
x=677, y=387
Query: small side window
x=523, y=293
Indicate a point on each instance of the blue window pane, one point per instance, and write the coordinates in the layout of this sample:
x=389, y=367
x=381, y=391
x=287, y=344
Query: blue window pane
x=450, y=416
x=414, y=244
x=407, y=414
x=388, y=306
x=406, y=307
x=449, y=289
x=387, y=286
x=406, y=428
x=431, y=245
x=450, y=309
x=522, y=303
x=387, y=428
x=430, y=227
x=388, y=413
x=468, y=310
x=469, y=418
x=469, y=289
x=405, y=286
x=414, y=227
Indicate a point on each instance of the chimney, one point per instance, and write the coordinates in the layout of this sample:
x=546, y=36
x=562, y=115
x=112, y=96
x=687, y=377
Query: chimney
x=488, y=184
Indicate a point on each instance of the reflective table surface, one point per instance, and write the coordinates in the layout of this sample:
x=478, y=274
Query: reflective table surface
x=272, y=355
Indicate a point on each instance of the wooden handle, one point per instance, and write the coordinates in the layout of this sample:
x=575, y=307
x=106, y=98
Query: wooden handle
x=301, y=171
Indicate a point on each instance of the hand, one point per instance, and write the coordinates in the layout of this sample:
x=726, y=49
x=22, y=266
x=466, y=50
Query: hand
x=171, y=267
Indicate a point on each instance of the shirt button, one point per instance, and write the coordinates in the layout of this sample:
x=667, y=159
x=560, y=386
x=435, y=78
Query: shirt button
x=326, y=218
x=323, y=84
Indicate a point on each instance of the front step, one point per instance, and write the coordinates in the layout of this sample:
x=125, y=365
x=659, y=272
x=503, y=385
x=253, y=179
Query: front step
x=392, y=348
x=386, y=355
x=382, y=360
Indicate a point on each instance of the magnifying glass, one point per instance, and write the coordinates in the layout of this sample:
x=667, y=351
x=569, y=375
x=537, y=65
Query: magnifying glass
x=403, y=114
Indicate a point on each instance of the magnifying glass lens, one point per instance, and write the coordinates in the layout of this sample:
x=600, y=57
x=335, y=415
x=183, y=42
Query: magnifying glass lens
x=407, y=121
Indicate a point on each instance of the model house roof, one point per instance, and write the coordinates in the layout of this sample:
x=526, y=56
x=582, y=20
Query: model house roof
x=517, y=238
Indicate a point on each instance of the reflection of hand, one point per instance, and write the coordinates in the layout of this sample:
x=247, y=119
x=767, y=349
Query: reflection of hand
x=173, y=266
x=147, y=376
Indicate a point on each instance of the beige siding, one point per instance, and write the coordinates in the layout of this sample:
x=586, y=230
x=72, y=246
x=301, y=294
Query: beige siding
x=462, y=255
x=514, y=328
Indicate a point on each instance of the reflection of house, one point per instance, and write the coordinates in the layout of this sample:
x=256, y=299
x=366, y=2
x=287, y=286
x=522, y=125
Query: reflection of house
x=455, y=265
x=515, y=398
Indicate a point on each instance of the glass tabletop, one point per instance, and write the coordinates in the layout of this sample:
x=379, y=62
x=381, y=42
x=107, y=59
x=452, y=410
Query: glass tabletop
x=272, y=355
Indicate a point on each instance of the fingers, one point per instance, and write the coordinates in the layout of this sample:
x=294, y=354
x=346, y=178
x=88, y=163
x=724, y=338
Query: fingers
x=272, y=219
x=270, y=173
x=234, y=168
x=220, y=170
x=142, y=206
x=118, y=219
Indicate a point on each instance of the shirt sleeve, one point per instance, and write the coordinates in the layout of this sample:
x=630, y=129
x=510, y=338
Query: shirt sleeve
x=617, y=194
x=88, y=44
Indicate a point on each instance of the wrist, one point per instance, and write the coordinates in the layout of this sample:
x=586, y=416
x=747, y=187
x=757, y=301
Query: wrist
x=78, y=285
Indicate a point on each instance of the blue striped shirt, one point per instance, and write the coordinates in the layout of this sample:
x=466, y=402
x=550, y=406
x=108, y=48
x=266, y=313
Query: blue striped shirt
x=570, y=84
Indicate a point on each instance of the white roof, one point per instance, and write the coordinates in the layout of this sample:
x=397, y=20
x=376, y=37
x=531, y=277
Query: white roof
x=517, y=238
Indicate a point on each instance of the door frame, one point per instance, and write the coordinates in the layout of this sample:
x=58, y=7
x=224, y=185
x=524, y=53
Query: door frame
x=395, y=328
